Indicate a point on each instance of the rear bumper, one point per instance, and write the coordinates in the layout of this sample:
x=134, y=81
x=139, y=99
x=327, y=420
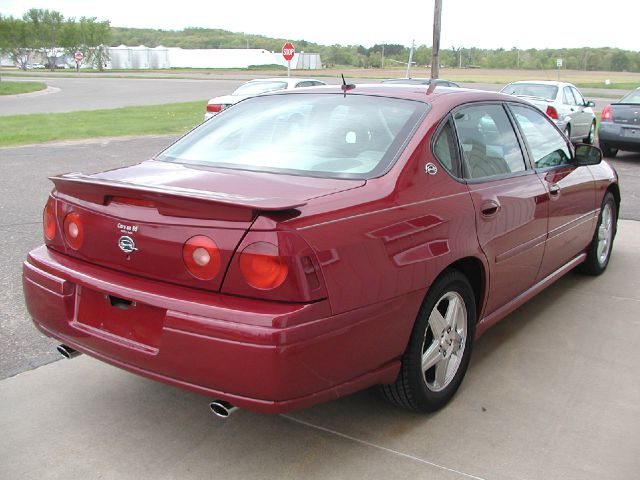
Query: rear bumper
x=619, y=136
x=264, y=356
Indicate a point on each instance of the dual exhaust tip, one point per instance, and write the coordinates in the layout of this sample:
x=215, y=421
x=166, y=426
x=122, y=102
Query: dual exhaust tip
x=219, y=408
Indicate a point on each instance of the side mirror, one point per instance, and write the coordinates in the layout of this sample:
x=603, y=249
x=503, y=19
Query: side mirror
x=588, y=155
x=590, y=104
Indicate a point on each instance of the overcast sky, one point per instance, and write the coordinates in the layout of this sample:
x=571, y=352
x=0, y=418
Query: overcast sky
x=465, y=23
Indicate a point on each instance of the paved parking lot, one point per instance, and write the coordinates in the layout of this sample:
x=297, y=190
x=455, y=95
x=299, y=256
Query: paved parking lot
x=552, y=391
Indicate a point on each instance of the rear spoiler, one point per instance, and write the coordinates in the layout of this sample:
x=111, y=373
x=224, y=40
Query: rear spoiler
x=170, y=200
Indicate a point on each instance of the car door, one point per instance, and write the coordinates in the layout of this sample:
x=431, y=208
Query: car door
x=570, y=189
x=510, y=200
x=584, y=113
x=572, y=110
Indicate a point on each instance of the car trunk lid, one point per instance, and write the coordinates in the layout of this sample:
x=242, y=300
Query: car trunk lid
x=137, y=219
x=626, y=113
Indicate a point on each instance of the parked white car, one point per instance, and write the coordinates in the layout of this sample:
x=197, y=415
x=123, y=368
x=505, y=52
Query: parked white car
x=563, y=103
x=257, y=87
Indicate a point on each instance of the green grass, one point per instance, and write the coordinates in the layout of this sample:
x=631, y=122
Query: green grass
x=11, y=88
x=147, y=120
x=613, y=85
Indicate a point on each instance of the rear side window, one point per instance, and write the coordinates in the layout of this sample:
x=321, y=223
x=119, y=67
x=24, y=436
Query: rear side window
x=547, y=146
x=445, y=149
x=568, y=96
x=489, y=144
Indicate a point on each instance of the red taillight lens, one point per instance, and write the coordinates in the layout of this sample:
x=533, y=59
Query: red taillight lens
x=262, y=267
x=73, y=230
x=201, y=256
x=552, y=112
x=49, y=221
x=213, y=107
x=606, y=115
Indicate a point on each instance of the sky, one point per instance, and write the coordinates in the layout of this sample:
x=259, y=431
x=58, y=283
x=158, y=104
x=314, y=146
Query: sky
x=465, y=23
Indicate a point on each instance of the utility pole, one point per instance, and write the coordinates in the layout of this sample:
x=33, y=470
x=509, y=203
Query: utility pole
x=413, y=43
x=435, y=53
x=382, y=56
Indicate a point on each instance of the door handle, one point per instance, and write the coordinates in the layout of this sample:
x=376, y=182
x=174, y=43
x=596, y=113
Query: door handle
x=554, y=190
x=489, y=208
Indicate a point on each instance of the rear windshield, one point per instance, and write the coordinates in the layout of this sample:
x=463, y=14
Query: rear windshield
x=256, y=88
x=322, y=135
x=547, y=92
x=632, y=97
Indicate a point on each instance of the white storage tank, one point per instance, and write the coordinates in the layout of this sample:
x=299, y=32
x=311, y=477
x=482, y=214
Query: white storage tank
x=140, y=57
x=159, y=57
x=120, y=57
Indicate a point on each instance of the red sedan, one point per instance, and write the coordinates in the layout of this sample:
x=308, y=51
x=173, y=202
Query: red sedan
x=301, y=246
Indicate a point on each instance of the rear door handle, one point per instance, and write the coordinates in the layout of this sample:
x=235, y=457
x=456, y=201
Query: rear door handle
x=489, y=208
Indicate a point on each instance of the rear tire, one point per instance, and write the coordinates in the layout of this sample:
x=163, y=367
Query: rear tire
x=439, y=348
x=599, y=250
x=567, y=132
x=607, y=150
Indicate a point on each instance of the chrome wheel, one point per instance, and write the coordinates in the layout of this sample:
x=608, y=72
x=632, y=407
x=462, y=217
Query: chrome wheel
x=592, y=134
x=444, y=341
x=605, y=234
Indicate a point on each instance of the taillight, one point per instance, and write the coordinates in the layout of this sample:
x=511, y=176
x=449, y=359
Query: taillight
x=132, y=201
x=552, y=112
x=201, y=256
x=606, y=115
x=49, y=220
x=73, y=230
x=213, y=107
x=275, y=265
x=262, y=267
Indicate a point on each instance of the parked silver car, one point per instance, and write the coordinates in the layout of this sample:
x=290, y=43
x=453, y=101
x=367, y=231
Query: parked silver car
x=257, y=87
x=563, y=103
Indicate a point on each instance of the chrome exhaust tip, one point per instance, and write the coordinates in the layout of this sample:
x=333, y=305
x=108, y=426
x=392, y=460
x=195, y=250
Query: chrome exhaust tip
x=67, y=352
x=222, y=409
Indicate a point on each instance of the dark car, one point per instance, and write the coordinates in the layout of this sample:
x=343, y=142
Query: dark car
x=421, y=81
x=620, y=125
x=308, y=244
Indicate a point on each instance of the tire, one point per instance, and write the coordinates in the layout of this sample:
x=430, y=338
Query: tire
x=607, y=150
x=592, y=134
x=442, y=336
x=599, y=250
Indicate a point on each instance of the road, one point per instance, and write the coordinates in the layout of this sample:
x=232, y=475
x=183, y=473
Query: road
x=90, y=93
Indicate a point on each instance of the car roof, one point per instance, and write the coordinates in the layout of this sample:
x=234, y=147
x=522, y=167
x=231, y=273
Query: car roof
x=543, y=82
x=423, y=93
x=288, y=80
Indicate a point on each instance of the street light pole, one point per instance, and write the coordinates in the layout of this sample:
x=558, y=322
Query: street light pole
x=435, y=52
x=413, y=43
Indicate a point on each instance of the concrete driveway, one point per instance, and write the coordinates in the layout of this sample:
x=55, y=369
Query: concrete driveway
x=552, y=393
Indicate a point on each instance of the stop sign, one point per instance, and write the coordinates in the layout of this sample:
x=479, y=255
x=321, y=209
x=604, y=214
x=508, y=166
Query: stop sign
x=78, y=56
x=288, y=51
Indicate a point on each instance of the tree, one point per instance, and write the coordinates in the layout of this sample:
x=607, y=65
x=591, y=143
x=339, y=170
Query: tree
x=45, y=29
x=15, y=41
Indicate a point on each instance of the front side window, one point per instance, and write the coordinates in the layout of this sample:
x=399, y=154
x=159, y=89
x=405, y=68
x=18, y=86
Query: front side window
x=568, y=98
x=547, y=146
x=489, y=145
x=578, y=96
x=326, y=135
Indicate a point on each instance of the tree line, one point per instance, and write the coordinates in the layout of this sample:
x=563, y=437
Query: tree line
x=48, y=32
x=51, y=35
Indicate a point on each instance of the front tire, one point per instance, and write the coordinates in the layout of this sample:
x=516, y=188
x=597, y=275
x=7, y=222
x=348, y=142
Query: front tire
x=439, y=348
x=599, y=250
x=592, y=134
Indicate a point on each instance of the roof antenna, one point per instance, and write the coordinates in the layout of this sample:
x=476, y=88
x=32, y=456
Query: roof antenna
x=346, y=86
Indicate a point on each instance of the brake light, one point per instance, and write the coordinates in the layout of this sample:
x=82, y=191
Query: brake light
x=262, y=267
x=73, y=230
x=606, y=115
x=552, y=112
x=49, y=220
x=133, y=201
x=213, y=107
x=201, y=256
